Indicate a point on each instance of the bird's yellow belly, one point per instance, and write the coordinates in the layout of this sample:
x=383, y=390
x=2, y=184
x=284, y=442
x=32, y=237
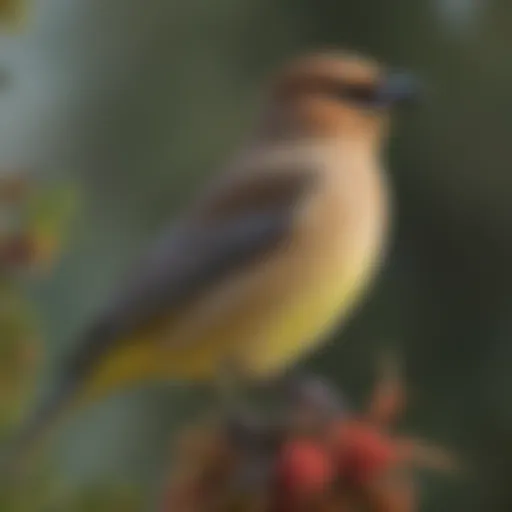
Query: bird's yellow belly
x=299, y=326
x=262, y=335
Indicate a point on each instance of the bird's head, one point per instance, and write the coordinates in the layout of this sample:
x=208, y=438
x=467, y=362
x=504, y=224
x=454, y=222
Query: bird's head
x=337, y=94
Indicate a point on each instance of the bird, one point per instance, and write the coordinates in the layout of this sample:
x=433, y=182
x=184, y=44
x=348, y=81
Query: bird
x=269, y=258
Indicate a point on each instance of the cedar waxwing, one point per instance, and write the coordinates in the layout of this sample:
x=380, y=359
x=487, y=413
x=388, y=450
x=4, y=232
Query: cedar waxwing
x=262, y=266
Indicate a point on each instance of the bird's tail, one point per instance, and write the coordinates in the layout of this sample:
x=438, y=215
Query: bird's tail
x=23, y=449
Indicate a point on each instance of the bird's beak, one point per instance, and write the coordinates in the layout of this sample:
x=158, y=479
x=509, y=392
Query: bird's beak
x=398, y=88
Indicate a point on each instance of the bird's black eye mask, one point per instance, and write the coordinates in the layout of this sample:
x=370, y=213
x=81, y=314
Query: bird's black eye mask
x=394, y=88
x=364, y=95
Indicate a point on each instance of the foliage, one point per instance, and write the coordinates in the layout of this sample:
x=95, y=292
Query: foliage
x=13, y=13
x=37, y=219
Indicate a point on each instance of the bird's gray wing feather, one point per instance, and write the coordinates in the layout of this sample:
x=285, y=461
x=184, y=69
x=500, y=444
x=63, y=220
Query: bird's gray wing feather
x=238, y=226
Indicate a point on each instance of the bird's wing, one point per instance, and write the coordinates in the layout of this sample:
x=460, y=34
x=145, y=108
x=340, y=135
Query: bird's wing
x=239, y=222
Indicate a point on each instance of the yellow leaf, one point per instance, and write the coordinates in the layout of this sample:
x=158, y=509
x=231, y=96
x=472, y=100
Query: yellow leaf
x=12, y=13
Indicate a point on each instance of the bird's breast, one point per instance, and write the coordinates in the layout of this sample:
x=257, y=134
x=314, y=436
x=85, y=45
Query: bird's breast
x=336, y=248
x=347, y=219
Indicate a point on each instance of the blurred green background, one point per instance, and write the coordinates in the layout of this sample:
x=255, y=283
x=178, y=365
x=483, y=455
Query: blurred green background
x=136, y=102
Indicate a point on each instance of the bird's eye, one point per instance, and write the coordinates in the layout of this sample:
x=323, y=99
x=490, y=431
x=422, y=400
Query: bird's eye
x=363, y=94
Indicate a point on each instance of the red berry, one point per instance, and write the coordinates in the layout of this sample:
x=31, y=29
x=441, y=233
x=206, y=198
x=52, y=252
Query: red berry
x=304, y=474
x=362, y=451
